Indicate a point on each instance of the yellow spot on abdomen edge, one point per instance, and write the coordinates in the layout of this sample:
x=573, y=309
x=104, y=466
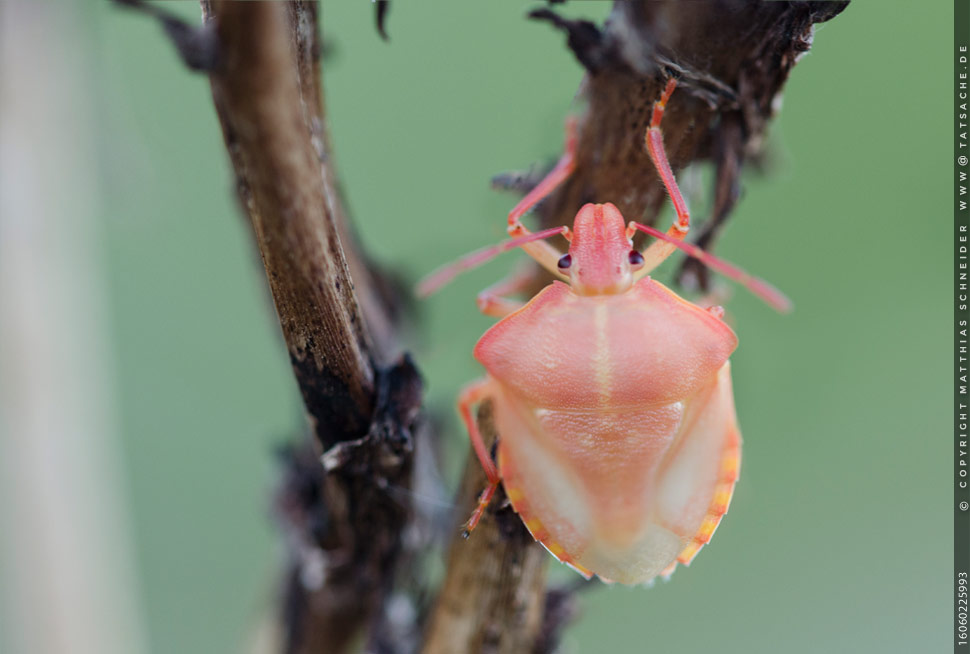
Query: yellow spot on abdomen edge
x=540, y=533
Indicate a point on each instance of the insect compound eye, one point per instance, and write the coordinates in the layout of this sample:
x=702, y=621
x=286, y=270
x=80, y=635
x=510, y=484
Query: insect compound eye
x=565, y=261
x=636, y=259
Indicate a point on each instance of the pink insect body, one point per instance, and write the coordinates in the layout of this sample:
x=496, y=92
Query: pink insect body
x=618, y=442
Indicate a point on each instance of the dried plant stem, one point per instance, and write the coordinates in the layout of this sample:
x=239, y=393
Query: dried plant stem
x=493, y=596
x=265, y=85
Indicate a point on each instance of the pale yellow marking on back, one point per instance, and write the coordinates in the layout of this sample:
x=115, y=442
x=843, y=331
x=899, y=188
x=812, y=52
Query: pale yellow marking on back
x=601, y=358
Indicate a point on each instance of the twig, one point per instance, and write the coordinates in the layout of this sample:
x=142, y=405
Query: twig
x=338, y=314
x=267, y=95
x=493, y=596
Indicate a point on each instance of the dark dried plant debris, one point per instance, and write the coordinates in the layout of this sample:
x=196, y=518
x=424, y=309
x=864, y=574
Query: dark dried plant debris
x=383, y=7
x=196, y=45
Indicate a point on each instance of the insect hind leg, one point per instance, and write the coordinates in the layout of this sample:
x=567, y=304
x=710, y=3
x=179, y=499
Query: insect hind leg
x=471, y=395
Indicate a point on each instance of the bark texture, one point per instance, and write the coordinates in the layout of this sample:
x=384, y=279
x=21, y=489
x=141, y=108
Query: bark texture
x=342, y=523
x=493, y=596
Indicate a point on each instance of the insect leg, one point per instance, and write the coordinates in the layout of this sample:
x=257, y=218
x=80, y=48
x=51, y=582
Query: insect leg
x=714, y=300
x=491, y=301
x=759, y=287
x=545, y=255
x=446, y=273
x=560, y=172
x=660, y=250
x=471, y=395
x=727, y=171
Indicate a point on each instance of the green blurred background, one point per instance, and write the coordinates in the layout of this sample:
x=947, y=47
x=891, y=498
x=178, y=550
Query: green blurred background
x=839, y=535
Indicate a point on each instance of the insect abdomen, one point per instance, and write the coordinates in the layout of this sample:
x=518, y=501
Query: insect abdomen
x=624, y=494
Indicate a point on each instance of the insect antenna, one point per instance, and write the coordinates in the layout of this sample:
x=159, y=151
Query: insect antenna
x=771, y=295
x=446, y=273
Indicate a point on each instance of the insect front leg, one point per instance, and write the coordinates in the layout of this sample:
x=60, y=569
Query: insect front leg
x=471, y=395
x=546, y=255
x=654, y=255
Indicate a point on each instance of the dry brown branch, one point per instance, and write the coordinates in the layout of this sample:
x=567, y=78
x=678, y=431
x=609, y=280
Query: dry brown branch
x=259, y=100
x=337, y=313
x=493, y=596
x=379, y=304
x=266, y=90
